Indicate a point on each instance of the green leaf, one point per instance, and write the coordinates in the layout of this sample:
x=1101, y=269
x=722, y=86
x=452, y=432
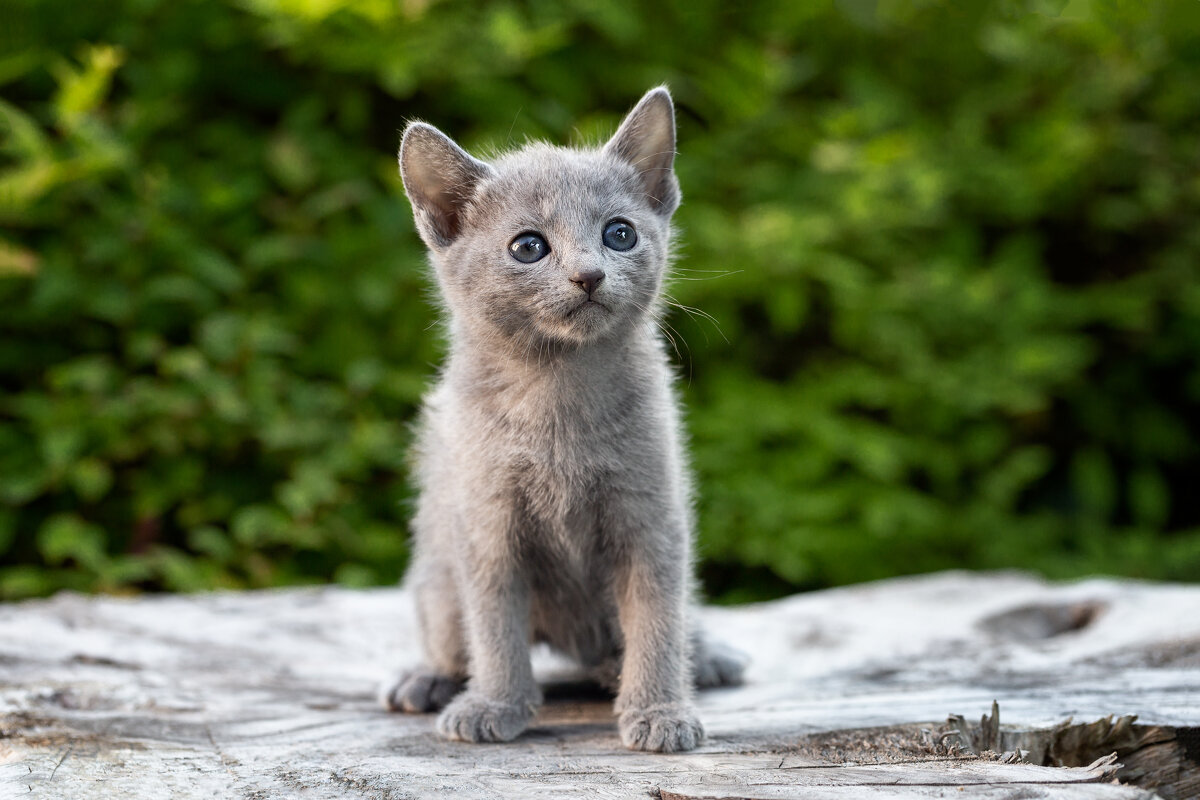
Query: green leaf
x=68, y=537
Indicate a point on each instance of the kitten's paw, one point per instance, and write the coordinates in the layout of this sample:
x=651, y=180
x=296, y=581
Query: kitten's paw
x=474, y=718
x=662, y=729
x=419, y=690
x=717, y=664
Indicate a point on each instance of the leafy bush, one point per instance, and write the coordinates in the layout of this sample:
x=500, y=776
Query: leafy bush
x=951, y=251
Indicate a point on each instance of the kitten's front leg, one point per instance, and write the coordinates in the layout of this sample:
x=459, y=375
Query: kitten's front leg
x=501, y=696
x=654, y=702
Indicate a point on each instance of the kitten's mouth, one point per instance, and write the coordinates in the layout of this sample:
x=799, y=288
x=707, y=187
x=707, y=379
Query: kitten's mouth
x=587, y=306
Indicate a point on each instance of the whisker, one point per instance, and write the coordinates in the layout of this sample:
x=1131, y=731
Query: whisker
x=677, y=277
x=718, y=272
x=508, y=138
x=672, y=335
x=696, y=312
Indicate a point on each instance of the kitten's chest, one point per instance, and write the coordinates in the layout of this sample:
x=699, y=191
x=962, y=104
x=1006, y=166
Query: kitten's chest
x=567, y=421
x=564, y=453
x=557, y=445
x=563, y=457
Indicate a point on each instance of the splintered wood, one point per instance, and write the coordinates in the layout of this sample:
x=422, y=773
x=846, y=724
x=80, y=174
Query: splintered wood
x=868, y=691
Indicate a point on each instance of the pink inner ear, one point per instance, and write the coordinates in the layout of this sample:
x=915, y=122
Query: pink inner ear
x=646, y=141
x=440, y=178
x=647, y=134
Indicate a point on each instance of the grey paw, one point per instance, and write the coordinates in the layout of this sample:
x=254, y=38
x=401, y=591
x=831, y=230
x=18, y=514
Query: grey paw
x=419, y=690
x=718, y=665
x=474, y=718
x=662, y=729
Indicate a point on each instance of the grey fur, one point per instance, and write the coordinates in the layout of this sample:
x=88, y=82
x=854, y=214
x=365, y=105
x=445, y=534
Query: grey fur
x=554, y=501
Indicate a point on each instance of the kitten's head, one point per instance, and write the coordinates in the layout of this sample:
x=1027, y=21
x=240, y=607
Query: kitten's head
x=549, y=244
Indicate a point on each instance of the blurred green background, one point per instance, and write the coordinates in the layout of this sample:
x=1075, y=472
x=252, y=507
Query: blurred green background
x=952, y=250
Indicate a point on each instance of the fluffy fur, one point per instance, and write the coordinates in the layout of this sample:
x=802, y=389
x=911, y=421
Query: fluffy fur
x=554, y=501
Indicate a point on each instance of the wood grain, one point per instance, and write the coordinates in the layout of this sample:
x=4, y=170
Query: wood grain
x=271, y=694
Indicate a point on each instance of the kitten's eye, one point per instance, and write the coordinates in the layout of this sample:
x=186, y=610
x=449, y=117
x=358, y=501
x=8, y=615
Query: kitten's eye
x=528, y=248
x=619, y=235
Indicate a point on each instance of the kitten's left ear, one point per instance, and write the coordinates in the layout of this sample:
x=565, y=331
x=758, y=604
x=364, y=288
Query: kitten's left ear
x=646, y=140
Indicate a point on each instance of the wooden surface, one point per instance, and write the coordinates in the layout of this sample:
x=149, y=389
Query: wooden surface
x=271, y=694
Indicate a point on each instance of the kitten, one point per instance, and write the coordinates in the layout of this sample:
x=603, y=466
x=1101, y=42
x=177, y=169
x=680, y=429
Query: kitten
x=554, y=504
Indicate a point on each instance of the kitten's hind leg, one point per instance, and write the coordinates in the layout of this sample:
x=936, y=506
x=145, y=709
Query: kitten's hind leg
x=432, y=685
x=715, y=664
x=418, y=690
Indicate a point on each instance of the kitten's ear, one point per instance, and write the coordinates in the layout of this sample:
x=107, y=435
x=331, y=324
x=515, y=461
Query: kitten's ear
x=646, y=140
x=440, y=179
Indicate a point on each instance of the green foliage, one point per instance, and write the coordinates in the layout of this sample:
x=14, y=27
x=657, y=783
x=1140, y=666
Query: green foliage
x=951, y=249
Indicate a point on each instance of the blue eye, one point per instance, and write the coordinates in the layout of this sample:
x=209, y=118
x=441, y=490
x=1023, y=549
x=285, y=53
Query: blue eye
x=528, y=247
x=619, y=235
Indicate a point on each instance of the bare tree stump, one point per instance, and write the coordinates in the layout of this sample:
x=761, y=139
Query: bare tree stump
x=271, y=694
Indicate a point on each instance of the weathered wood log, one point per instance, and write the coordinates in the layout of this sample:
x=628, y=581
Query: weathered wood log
x=271, y=694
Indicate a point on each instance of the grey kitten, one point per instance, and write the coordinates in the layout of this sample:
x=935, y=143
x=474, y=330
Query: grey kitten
x=554, y=503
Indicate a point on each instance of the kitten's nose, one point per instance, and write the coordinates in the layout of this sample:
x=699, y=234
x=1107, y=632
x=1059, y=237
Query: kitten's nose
x=588, y=279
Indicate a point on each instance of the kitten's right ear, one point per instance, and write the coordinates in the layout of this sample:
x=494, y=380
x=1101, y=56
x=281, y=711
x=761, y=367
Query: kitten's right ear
x=440, y=179
x=646, y=141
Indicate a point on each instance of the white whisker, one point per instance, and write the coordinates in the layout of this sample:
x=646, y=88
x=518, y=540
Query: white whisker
x=692, y=311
